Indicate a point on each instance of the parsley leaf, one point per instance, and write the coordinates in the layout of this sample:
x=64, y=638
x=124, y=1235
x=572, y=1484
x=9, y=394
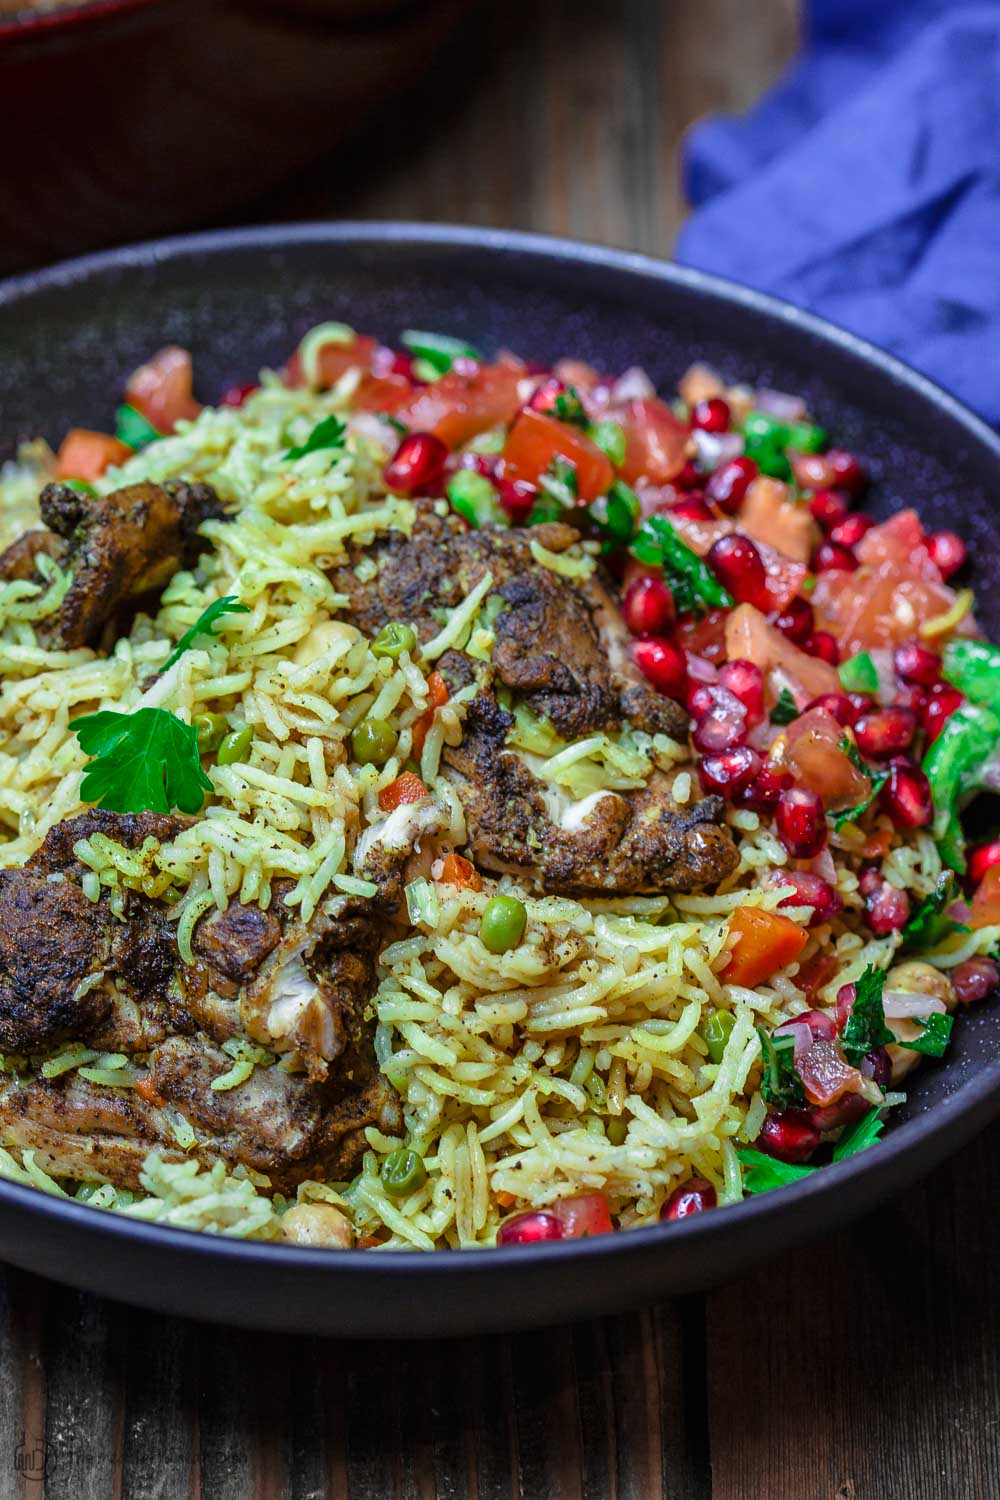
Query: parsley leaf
x=762, y=1173
x=692, y=583
x=858, y=674
x=146, y=761
x=559, y=481
x=568, y=407
x=878, y=779
x=326, y=434
x=866, y=1029
x=864, y=1132
x=205, y=625
x=132, y=427
x=781, y=1084
x=616, y=514
x=784, y=711
x=437, y=349
x=933, y=1040
x=929, y=924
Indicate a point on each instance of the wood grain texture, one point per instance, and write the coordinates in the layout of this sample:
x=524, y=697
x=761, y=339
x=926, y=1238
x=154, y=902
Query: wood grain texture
x=860, y=1369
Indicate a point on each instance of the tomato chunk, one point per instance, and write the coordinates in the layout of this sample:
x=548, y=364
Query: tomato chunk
x=655, y=441
x=334, y=360
x=437, y=690
x=161, y=389
x=460, y=872
x=405, y=788
x=767, y=942
x=826, y=1074
x=535, y=440
x=818, y=761
x=464, y=403
x=85, y=455
x=985, y=905
x=582, y=1215
x=749, y=637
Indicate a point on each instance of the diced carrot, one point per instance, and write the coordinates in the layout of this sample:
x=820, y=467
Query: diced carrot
x=505, y=1199
x=405, y=788
x=535, y=440
x=767, y=942
x=985, y=904
x=460, y=872
x=146, y=1089
x=85, y=455
x=437, y=692
x=369, y=1241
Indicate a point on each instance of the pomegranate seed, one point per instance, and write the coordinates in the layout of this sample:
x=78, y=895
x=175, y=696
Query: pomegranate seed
x=737, y=564
x=547, y=395
x=791, y=1138
x=648, y=606
x=701, y=700
x=906, y=797
x=727, y=487
x=881, y=1066
x=811, y=890
x=822, y=644
x=690, y=477
x=843, y=1111
x=916, y=663
x=821, y=1024
x=529, y=1229
x=851, y=529
x=975, y=979
x=861, y=702
x=801, y=822
x=417, y=463
x=846, y=996
x=486, y=464
x=831, y=557
x=692, y=1197
x=982, y=859
x=729, y=772
x=869, y=880
x=947, y=550
x=888, y=909
x=691, y=507
x=712, y=415
x=763, y=792
x=237, y=394
x=837, y=704
x=719, y=730
x=828, y=507
x=662, y=663
x=796, y=620
x=941, y=703
x=885, y=731
x=845, y=471
x=745, y=681
x=912, y=697
x=517, y=497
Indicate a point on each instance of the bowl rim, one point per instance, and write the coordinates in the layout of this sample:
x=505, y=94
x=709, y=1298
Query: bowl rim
x=975, y=1099
x=26, y=23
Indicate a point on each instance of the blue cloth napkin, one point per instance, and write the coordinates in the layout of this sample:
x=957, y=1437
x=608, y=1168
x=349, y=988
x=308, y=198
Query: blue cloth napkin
x=866, y=185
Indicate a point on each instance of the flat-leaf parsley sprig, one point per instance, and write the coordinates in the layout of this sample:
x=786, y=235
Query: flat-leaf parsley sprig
x=147, y=761
x=229, y=604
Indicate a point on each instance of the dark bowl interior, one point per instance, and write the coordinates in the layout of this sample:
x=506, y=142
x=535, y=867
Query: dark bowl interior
x=241, y=300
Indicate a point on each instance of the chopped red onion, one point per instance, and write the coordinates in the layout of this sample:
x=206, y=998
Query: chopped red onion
x=903, y=1007
x=633, y=385
x=781, y=405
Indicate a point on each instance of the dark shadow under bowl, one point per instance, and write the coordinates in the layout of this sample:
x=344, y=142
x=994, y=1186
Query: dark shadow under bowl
x=240, y=300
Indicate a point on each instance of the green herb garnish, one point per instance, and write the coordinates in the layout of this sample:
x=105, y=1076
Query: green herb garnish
x=610, y=438
x=568, y=407
x=781, y=1084
x=131, y=427
x=858, y=674
x=326, y=434
x=953, y=765
x=559, y=481
x=877, y=778
x=784, y=711
x=205, y=625
x=928, y=924
x=763, y=1173
x=616, y=514
x=933, y=1040
x=692, y=583
x=974, y=668
x=147, y=761
x=864, y=1132
x=437, y=349
x=866, y=1029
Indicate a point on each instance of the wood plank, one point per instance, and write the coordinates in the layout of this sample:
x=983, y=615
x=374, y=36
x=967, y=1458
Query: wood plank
x=867, y=1366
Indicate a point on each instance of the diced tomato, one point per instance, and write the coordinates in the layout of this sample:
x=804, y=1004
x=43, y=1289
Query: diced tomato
x=577, y=373
x=826, y=1074
x=161, y=389
x=985, y=905
x=767, y=942
x=85, y=455
x=815, y=756
x=582, y=1215
x=749, y=637
x=381, y=393
x=785, y=577
x=464, y=403
x=334, y=360
x=655, y=441
x=460, y=872
x=705, y=637
x=769, y=515
x=535, y=440
x=437, y=693
x=405, y=788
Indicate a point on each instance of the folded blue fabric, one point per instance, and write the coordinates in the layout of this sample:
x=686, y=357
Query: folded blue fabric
x=866, y=185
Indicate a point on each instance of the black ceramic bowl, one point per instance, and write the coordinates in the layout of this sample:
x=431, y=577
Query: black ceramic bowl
x=239, y=300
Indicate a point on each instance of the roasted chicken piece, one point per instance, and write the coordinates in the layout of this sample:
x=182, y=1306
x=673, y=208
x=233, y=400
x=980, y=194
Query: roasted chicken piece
x=73, y=970
x=119, y=547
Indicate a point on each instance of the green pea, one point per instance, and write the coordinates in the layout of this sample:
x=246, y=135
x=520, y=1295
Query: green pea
x=402, y=1172
x=373, y=742
x=503, y=922
x=474, y=498
x=393, y=639
x=715, y=1031
x=212, y=729
x=235, y=746
x=610, y=438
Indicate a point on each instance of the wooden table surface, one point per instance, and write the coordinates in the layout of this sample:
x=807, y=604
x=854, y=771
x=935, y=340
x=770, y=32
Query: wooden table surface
x=862, y=1368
